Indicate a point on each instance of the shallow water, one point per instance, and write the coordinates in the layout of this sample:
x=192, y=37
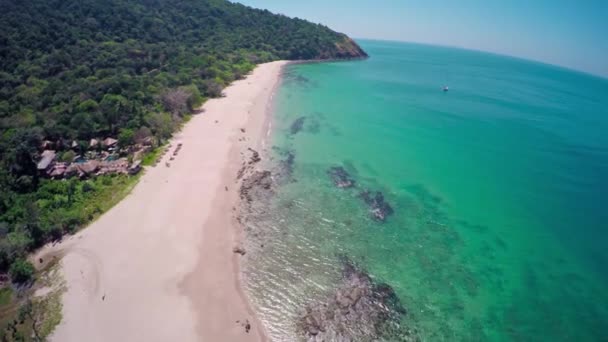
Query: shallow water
x=498, y=186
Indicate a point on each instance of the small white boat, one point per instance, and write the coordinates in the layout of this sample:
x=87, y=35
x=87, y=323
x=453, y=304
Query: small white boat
x=445, y=88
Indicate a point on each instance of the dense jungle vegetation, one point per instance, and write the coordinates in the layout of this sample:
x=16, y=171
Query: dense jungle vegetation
x=73, y=70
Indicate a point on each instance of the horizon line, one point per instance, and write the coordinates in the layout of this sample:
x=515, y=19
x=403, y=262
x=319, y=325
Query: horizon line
x=500, y=54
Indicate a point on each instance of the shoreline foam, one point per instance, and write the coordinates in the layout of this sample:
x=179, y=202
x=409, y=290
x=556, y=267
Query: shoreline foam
x=159, y=266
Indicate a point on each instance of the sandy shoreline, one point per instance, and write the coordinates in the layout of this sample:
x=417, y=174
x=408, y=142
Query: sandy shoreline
x=159, y=266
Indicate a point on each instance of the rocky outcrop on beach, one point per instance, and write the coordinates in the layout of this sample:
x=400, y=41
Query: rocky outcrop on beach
x=378, y=207
x=257, y=184
x=255, y=156
x=248, y=166
x=359, y=309
x=341, y=177
x=257, y=181
x=280, y=174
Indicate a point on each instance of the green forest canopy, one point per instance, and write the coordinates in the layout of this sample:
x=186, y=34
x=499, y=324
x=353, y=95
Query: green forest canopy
x=72, y=70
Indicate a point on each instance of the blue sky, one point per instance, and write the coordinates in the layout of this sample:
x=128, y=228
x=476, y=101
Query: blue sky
x=570, y=33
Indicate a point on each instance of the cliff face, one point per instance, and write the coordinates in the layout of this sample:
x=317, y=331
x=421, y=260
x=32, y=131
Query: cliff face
x=347, y=48
x=343, y=47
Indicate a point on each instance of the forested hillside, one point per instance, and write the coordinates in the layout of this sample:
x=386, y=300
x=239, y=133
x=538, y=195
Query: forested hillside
x=76, y=70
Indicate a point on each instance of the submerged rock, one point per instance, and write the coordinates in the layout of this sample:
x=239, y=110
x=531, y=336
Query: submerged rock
x=297, y=125
x=287, y=163
x=358, y=310
x=379, y=208
x=291, y=76
x=284, y=169
x=341, y=177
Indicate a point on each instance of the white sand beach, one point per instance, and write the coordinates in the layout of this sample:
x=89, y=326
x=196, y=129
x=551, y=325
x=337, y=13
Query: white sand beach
x=159, y=266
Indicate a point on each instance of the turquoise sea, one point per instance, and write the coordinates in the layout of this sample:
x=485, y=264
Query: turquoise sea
x=499, y=189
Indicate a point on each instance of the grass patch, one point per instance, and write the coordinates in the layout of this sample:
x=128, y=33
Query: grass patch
x=28, y=316
x=151, y=157
x=6, y=296
x=32, y=318
x=185, y=119
x=112, y=191
x=50, y=307
x=64, y=207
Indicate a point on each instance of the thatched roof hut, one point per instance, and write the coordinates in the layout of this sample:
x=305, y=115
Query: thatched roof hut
x=89, y=167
